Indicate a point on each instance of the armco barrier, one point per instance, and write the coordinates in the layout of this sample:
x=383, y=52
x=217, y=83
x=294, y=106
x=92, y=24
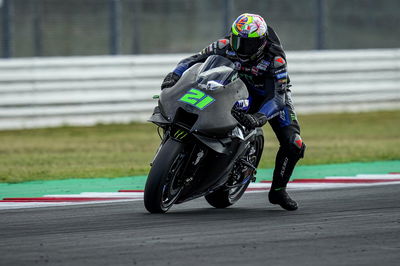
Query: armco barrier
x=43, y=92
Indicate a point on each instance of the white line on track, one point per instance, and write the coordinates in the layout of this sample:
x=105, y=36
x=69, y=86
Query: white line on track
x=253, y=188
x=383, y=177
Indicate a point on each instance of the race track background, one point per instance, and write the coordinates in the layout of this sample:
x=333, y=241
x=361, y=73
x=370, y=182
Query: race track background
x=341, y=226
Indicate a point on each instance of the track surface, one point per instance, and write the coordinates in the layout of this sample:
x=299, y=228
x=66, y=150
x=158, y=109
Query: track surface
x=353, y=226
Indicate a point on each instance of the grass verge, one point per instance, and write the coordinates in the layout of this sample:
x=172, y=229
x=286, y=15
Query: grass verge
x=126, y=150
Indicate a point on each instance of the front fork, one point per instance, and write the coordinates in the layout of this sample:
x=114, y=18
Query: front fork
x=194, y=152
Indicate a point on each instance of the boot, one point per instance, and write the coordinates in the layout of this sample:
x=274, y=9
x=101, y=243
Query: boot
x=281, y=197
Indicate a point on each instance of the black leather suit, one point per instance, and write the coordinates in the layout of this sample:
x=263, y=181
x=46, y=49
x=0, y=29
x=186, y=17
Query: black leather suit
x=267, y=81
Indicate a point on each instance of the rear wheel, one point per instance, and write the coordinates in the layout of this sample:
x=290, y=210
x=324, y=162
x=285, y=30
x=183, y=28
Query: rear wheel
x=164, y=185
x=225, y=197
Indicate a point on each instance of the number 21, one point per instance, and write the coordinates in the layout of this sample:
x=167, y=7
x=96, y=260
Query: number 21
x=197, y=98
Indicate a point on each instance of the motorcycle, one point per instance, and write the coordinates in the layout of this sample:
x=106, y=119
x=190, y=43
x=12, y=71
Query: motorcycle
x=204, y=150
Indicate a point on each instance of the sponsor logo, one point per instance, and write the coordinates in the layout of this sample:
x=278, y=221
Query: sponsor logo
x=230, y=53
x=180, y=134
x=199, y=156
x=263, y=65
x=281, y=75
x=242, y=105
x=280, y=70
x=285, y=162
x=254, y=70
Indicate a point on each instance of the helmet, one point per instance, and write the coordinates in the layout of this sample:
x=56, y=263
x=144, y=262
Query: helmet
x=248, y=36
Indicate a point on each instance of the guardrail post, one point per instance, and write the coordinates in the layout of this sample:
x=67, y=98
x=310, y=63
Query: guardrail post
x=115, y=26
x=6, y=27
x=227, y=9
x=137, y=10
x=320, y=24
x=37, y=29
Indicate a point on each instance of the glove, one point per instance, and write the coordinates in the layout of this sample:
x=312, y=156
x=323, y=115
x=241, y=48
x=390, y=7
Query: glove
x=250, y=121
x=170, y=80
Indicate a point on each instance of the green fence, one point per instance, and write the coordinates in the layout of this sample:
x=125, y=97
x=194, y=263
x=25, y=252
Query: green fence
x=97, y=27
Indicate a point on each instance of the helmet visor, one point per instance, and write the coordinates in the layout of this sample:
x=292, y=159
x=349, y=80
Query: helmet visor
x=246, y=47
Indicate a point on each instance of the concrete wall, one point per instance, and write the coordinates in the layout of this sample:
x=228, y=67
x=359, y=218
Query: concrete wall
x=43, y=92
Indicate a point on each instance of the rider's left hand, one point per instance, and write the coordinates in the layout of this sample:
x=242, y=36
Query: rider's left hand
x=170, y=80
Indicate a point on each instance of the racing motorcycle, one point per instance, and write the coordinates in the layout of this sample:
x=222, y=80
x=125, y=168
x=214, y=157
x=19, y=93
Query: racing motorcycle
x=204, y=150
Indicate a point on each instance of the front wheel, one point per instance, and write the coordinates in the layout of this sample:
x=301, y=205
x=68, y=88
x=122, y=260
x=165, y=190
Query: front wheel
x=164, y=185
x=225, y=197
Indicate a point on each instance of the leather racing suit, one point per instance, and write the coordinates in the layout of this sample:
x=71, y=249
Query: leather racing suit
x=267, y=81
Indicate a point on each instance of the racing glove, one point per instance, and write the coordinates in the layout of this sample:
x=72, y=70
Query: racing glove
x=170, y=80
x=250, y=121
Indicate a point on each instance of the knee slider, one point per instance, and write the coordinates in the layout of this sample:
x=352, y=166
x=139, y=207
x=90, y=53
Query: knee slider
x=297, y=147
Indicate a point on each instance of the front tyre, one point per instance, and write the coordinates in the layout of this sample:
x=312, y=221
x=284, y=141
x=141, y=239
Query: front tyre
x=163, y=185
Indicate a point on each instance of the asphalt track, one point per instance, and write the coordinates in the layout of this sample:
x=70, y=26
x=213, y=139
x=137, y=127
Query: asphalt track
x=352, y=226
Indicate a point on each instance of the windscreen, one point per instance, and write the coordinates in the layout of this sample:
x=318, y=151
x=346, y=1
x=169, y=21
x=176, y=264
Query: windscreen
x=216, y=71
x=212, y=105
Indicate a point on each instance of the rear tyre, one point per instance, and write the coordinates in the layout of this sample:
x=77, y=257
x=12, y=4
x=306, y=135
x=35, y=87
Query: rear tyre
x=163, y=185
x=224, y=197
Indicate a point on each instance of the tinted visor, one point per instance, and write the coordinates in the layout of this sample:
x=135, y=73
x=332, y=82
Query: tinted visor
x=246, y=46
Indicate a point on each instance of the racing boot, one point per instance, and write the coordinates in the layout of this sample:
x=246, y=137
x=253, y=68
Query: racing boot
x=281, y=197
x=286, y=159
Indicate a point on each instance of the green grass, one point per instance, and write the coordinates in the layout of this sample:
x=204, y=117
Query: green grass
x=125, y=150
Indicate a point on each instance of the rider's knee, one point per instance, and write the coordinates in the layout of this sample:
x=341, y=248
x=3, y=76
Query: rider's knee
x=296, y=147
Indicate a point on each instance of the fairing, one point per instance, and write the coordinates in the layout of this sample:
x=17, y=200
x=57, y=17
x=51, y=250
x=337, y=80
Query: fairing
x=217, y=79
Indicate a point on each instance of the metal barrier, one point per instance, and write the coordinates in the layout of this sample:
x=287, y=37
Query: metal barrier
x=45, y=92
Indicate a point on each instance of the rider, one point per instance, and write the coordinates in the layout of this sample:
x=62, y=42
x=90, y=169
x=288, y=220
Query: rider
x=260, y=60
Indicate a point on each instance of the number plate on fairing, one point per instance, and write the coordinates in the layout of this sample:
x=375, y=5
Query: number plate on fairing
x=197, y=99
